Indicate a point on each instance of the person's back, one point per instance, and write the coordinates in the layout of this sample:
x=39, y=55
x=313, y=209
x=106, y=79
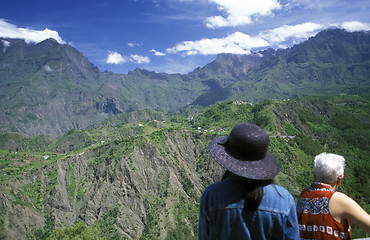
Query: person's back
x=323, y=213
x=314, y=215
x=245, y=204
x=222, y=204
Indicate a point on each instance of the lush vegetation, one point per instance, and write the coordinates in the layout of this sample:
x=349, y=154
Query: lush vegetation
x=299, y=129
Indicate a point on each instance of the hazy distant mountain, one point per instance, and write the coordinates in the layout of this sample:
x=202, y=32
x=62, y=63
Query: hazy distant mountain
x=49, y=88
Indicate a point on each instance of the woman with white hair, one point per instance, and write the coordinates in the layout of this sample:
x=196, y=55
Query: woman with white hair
x=324, y=213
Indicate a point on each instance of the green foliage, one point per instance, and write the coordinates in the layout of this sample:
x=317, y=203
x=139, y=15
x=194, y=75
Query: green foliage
x=36, y=193
x=78, y=231
x=211, y=97
x=309, y=144
x=71, y=187
x=159, y=137
x=106, y=223
x=81, y=190
x=115, y=150
x=75, y=188
x=298, y=130
x=187, y=184
x=185, y=230
x=307, y=117
x=14, y=164
x=152, y=204
x=44, y=233
x=262, y=115
x=223, y=116
x=71, y=141
x=18, y=142
x=52, y=176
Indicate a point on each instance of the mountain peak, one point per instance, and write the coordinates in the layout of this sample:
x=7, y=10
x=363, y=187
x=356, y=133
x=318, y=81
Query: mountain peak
x=49, y=42
x=72, y=93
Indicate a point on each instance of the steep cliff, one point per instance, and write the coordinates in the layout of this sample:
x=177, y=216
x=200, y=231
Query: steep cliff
x=145, y=186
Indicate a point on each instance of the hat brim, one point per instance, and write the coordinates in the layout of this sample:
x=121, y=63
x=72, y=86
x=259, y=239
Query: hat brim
x=262, y=169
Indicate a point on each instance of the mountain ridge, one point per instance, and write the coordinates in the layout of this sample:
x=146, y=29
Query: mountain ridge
x=49, y=88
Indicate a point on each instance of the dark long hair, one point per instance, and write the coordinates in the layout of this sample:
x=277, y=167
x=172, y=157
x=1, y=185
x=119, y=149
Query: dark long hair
x=252, y=193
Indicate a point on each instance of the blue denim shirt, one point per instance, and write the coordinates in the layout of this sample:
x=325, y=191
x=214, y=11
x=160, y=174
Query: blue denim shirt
x=221, y=213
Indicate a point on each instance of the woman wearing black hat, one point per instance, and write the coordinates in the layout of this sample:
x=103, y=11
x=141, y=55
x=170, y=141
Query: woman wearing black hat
x=245, y=204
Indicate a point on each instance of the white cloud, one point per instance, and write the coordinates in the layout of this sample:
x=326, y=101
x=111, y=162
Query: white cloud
x=295, y=34
x=287, y=35
x=157, y=53
x=8, y=30
x=115, y=58
x=139, y=59
x=355, y=26
x=241, y=12
x=236, y=43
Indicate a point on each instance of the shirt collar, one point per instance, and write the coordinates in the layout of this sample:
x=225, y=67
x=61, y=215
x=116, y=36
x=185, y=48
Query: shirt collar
x=322, y=185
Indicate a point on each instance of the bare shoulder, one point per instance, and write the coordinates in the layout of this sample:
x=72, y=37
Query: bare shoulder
x=345, y=207
x=339, y=206
x=341, y=198
x=344, y=202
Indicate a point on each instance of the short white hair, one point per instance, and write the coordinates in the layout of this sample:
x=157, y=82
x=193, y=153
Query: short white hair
x=328, y=167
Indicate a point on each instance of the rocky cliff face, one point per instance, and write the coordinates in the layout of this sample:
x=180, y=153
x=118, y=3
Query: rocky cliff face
x=145, y=187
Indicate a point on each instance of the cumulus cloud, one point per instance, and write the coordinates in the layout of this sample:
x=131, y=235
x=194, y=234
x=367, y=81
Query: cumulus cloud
x=8, y=30
x=236, y=43
x=240, y=43
x=241, y=12
x=355, y=26
x=115, y=58
x=157, y=53
x=294, y=33
x=287, y=35
x=139, y=59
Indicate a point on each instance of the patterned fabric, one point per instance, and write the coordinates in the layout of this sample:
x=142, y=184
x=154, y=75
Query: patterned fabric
x=314, y=206
x=314, y=218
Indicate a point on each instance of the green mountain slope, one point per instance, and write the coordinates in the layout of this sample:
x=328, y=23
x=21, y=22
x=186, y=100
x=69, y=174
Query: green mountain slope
x=49, y=88
x=143, y=180
x=46, y=88
x=331, y=63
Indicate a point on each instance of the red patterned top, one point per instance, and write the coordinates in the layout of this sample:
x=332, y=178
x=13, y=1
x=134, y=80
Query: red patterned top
x=314, y=218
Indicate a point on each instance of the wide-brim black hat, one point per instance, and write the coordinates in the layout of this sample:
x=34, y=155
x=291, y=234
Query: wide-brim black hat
x=244, y=152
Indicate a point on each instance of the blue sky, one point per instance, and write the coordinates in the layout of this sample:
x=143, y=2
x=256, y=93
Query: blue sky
x=175, y=36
